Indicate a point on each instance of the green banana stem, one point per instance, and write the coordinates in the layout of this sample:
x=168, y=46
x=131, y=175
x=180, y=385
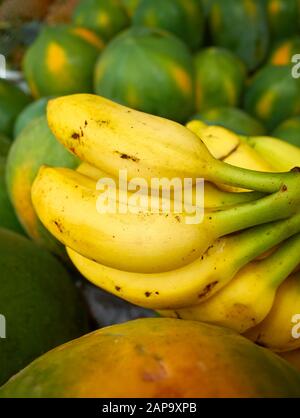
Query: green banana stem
x=220, y=172
x=228, y=199
x=255, y=241
x=283, y=262
x=271, y=208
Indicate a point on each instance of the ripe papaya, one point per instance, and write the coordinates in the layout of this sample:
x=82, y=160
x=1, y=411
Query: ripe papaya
x=157, y=357
x=39, y=303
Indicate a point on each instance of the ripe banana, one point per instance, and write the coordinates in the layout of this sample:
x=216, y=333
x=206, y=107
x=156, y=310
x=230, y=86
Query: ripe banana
x=113, y=137
x=249, y=297
x=280, y=330
x=197, y=281
x=143, y=241
x=230, y=148
x=281, y=155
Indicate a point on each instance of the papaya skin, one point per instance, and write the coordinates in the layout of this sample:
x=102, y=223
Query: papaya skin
x=293, y=357
x=156, y=358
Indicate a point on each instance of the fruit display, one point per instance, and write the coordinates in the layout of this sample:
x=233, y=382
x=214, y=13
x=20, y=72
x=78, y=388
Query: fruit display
x=149, y=70
x=161, y=365
x=146, y=255
x=37, y=298
x=220, y=78
x=150, y=195
x=61, y=60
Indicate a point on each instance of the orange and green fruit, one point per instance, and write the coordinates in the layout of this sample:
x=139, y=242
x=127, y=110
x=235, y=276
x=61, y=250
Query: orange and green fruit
x=284, y=51
x=12, y=101
x=8, y=217
x=39, y=302
x=148, y=70
x=35, y=146
x=233, y=119
x=105, y=17
x=32, y=111
x=219, y=78
x=153, y=358
x=283, y=17
x=184, y=19
x=242, y=27
x=5, y=144
x=273, y=95
x=289, y=131
x=61, y=61
x=292, y=357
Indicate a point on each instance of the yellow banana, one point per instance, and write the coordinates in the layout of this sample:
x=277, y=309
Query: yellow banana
x=280, y=330
x=137, y=240
x=113, y=137
x=280, y=154
x=249, y=297
x=193, y=283
x=220, y=141
x=230, y=148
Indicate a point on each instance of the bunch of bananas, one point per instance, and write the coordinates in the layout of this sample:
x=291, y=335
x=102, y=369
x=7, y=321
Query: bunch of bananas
x=226, y=269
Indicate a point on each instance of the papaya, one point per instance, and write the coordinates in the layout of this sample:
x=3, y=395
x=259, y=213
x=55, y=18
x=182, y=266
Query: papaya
x=233, y=119
x=30, y=112
x=242, y=27
x=289, y=131
x=149, y=70
x=35, y=146
x=61, y=60
x=39, y=302
x=130, y=6
x=12, y=101
x=184, y=19
x=8, y=217
x=273, y=95
x=105, y=17
x=283, y=17
x=153, y=358
x=293, y=357
x=284, y=51
x=220, y=78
